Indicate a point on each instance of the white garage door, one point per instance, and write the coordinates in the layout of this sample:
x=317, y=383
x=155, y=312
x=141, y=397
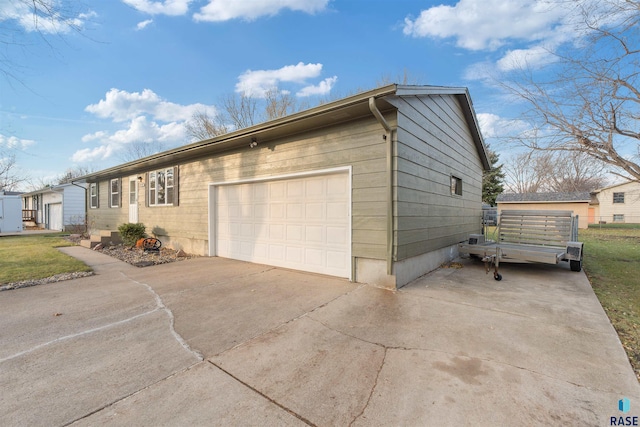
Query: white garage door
x=299, y=223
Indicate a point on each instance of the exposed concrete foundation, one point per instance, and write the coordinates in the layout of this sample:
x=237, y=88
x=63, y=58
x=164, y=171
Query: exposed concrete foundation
x=374, y=271
x=191, y=246
x=410, y=269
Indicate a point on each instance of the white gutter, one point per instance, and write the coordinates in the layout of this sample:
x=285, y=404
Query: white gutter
x=389, y=138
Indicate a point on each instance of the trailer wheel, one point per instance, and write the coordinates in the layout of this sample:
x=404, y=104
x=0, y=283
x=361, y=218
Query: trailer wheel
x=497, y=276
x=576, y=265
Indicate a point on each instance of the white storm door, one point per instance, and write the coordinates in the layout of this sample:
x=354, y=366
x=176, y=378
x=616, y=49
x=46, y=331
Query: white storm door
x=133, y=199
x=299, y=223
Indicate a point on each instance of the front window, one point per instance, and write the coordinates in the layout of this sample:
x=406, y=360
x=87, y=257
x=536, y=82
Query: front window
x=618, y=197
x=161, y=187
x=93, y=195
x=114, y=185
x=618, y=218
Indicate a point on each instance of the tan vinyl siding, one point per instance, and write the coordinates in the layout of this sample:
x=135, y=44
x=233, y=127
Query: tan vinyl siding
x=105, y=217
x=434, y=143
x=358, y=144
x=630, y=208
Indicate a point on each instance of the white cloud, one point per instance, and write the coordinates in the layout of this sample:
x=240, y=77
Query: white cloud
x=530, y=29
x=494, y=126
x=531, y=58
x=321, y=88
x=148, y=118
x=121, y=105
x=92, y=154
x=42, y=21
x=13, y=142
x=487, y=24
x=166, y=7
x=224, y=10
x=257, y=83
x=142, y=25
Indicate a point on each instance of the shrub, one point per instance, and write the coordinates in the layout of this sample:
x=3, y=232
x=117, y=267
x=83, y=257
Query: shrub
x=131, y=233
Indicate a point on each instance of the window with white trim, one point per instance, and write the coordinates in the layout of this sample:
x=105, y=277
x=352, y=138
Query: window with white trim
x=162, y=187
x=618, y=197
x=618, y=217
x=114, y=193
x=93, y=195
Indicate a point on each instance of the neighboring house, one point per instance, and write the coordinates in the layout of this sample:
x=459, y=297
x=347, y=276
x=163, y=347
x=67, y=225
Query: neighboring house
x=10, y=216
x=58, y=207
x=617, y=203
x=577, y=202
x=378, y=187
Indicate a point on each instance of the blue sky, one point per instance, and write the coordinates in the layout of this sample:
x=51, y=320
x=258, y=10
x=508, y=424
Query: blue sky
x=140, y=68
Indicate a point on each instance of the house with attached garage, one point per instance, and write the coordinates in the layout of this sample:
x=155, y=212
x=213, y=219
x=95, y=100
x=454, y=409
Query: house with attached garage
x=378, y=187
x=58, y=207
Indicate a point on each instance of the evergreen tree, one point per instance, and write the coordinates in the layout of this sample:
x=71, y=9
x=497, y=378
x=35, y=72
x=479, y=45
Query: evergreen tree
x=492, y=179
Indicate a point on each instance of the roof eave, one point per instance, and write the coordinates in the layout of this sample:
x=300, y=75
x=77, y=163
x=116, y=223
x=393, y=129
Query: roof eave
x=185, y=151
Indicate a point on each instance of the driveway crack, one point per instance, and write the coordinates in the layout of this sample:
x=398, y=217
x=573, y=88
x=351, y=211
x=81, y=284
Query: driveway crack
x=275, y=402
x=79, y=334
x=161, y=306
x=373, y=388
x=293, y=319
x=122, y=398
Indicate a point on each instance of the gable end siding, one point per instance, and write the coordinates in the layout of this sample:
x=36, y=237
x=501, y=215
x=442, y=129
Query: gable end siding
x=434, y=143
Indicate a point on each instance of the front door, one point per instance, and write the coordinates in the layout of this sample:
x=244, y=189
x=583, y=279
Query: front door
x=133, y=199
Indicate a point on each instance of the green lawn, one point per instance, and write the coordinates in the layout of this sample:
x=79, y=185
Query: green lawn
x=612, y=263
x=35, y=257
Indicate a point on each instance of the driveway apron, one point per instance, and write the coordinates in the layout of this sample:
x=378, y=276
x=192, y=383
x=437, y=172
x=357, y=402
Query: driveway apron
x=210, y=341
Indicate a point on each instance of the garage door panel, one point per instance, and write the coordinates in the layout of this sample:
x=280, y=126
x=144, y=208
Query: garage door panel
x=276, y=190
x=261, y=191
x=276, y=211
x=315, y=189
x=314, y=234
x=294, y=255
x=337, y=235
x=295, y=233
x=337, y=210
x=314, y=211
x=300, y=223
x=295, y=211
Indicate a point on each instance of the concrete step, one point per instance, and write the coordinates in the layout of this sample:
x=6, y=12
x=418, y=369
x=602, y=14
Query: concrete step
x=106, y=237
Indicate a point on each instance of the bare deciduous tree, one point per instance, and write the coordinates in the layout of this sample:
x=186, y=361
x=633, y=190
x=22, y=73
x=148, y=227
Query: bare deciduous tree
x=202, y=126
x=46, y=18
x=525, y=173
x=557, y=172
x=240, y=110
x=592, y=105
x=10, y=177
x=278, y=104
x=73, y=173
x=139, y=149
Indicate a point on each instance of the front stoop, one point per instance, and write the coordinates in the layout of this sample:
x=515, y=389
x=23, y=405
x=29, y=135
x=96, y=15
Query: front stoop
x=105, y=237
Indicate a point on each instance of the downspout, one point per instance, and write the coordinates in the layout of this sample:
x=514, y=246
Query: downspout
x=389, y=138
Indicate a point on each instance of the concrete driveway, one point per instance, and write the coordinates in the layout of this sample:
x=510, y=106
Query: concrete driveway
x=210, y=341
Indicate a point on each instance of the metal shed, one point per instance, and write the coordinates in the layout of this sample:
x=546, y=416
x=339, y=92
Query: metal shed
x=10, y=213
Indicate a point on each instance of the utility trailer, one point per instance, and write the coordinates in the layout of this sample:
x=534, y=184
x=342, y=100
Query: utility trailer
x=546, y=237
